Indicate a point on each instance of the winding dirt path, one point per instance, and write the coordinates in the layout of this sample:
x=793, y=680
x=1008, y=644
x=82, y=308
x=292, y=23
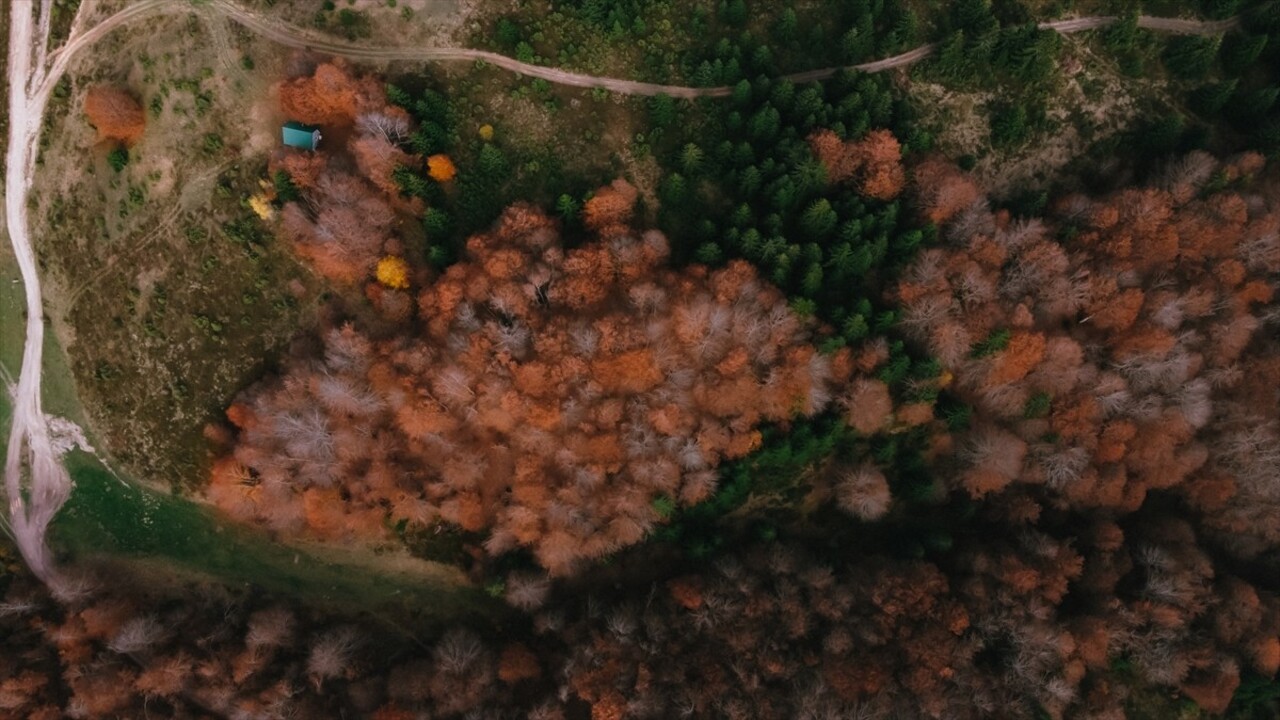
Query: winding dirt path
x=35, y=481
x=293, y=36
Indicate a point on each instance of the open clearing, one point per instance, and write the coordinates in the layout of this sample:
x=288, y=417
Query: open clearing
x=1092, y=103
x=161, y=284
x=169, y=294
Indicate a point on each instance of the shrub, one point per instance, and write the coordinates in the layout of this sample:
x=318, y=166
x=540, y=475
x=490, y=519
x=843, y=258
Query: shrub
x=118, y=158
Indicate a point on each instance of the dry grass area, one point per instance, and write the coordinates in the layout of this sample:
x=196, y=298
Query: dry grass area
x=389, y=22
x=1093, y=102
x=166, y=291
x=558, y=139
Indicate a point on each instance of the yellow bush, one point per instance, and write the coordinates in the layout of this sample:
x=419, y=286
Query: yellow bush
x=261, y=207
x=393, y=272
x=486, y=132
x=441, y=168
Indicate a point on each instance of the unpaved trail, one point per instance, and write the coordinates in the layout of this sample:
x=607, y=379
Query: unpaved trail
x=35, y=480
x=293, y=36
x=31, y=456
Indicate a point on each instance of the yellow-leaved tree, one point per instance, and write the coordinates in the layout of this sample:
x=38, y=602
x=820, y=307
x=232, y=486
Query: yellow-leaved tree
x=393, y=272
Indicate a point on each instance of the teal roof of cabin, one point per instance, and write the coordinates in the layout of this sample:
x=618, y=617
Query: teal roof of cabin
x=295, y=134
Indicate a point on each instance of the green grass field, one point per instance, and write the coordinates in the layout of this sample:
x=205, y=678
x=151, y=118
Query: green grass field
x=108, y=517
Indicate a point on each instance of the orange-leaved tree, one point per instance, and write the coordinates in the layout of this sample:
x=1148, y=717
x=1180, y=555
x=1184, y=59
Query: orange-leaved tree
x=115, y=113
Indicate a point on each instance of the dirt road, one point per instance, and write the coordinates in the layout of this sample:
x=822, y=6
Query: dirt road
x=35, y=481
x=293, y=36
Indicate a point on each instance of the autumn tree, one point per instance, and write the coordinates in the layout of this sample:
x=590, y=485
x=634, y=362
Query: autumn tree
x=873, y=162
x=942, y=190
x=330, y=95
x=115, y=113
x=611, y=205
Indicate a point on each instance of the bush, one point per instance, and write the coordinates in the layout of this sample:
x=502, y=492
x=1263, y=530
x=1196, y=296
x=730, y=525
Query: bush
x=354, y=24
x=212, y=144
x=507, y=32
x=1038, y=405
x=994, y=343
x=1122, y=35
x=1009, y=125
x=118, y=158
x=286, y=191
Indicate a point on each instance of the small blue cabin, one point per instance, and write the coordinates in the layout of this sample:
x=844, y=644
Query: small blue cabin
x=303, y=137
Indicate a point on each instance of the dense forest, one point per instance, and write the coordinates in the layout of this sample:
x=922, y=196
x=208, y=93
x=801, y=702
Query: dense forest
x=1090, y=391
x=809, y=427
x=1105, y=412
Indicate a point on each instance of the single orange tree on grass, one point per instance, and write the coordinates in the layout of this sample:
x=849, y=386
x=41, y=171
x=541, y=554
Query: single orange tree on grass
x=115, y=113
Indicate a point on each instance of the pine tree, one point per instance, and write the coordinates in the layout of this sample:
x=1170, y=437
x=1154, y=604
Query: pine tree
x=1239, y=52
x=1208, y=100
x=691, y=158
x=1191, y=57
x=785, y=28
x=749, y=182
x=399, y=97
x=567, y=207
x=662, y=110
x=819, y=220
x=974, y=18
x=812, y=282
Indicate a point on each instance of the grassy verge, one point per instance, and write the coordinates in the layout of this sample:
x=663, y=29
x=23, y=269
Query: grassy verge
x=106, y=517
x=691, y=42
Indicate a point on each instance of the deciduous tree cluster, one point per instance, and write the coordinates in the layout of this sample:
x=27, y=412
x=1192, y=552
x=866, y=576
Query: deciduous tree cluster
x=776, y=633
x=344, y=220
x=1105, y=430
x=873, y=162
x=204, y=652
x=331, y=95
x=1116, y=356
x=548, y=396
x=1016, y=627
x=1101, y=348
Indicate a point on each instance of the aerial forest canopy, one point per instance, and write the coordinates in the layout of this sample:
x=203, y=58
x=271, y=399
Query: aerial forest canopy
x=776, y=403
x=555, y=398
x=547, y=396
x=1102, y=407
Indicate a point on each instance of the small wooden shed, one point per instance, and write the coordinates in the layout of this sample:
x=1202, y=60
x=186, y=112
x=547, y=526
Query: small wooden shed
x=303, y=137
